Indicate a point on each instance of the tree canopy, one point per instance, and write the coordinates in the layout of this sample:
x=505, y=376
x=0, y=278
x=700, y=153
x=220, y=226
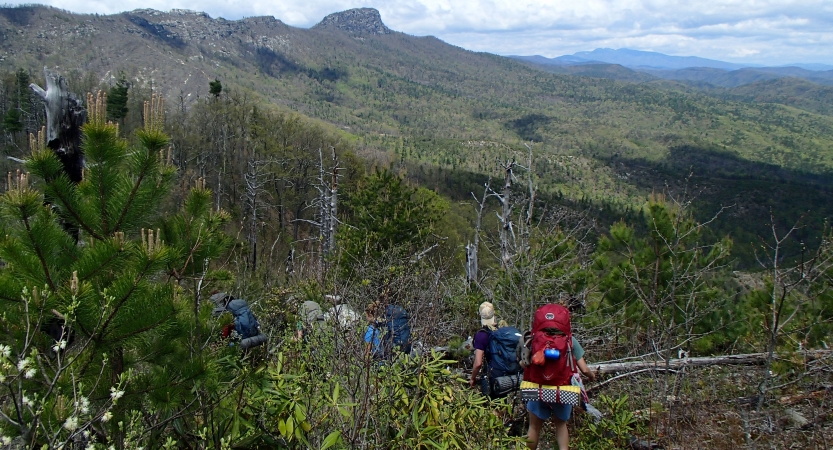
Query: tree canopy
x=384, y=212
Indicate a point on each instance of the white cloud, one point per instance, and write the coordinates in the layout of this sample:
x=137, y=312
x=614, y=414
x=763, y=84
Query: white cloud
x=754, y=31
x=744, y=52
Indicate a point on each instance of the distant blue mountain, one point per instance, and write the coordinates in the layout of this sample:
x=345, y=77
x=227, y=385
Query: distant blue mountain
x=653, y=60
x=812, y=66
x=567, y=60
x=635, y=65
x=640, y=60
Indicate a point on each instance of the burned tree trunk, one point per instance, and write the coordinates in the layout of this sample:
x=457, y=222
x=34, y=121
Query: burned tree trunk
x=64, y=117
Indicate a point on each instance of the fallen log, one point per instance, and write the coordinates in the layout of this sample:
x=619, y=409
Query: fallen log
x=748, y=359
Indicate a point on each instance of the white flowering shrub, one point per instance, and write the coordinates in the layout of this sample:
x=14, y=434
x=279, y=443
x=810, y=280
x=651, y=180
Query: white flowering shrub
x=43, y=398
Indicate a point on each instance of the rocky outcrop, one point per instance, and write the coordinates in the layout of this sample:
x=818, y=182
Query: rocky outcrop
x=356, y=21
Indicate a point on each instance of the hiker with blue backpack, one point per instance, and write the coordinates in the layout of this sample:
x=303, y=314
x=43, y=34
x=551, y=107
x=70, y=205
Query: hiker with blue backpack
x=495, y=354
x=396, y=331
x=246, y=326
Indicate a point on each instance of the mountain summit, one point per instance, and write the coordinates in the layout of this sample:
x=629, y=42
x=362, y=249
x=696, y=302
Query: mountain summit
x=356, y=21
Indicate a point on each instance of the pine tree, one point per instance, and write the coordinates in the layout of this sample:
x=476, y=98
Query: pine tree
x=385, y=213
x=12, y=121
x=113, y=300
x=666, y=283
x=215, y=88
x=117, y=99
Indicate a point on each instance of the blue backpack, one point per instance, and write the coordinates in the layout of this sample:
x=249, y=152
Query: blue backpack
x=398, y=330
x=502, y=357
x=245, y=323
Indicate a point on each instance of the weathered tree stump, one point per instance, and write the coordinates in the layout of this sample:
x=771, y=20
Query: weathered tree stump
x=64, y=117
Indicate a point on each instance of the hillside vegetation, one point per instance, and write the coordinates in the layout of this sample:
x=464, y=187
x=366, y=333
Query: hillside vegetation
x=356, y=167
x=428, y=102
x=113, y=336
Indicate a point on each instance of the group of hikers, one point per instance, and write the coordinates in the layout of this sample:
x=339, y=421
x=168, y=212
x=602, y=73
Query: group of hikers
x=543, y=364
x=388, y=329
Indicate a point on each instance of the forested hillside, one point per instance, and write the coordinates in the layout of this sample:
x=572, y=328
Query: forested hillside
x=355, y=167
x=428, y=102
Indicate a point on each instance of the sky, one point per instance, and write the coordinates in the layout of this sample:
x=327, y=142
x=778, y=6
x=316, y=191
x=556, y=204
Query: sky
x=768, y=32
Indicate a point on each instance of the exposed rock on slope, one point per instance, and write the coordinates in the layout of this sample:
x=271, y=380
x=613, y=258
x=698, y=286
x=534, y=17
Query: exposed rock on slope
x=356, y=21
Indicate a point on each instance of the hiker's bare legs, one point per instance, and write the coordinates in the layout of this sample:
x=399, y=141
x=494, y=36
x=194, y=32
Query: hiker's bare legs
x=562, y=434
x=535, y=425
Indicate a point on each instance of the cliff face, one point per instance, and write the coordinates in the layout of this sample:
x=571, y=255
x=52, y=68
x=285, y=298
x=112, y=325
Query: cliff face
x=356, y=21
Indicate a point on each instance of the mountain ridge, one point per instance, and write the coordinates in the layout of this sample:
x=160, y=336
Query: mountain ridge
x=439, y=107
x=657, y=61
x=685, y=69
x=638, y=58
x=368, y=80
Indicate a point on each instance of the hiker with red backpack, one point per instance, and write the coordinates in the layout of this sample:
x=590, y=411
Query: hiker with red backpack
x=552, y=360
x=495, y=353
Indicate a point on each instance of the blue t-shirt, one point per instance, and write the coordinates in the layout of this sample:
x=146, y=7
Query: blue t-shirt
x=371, y=336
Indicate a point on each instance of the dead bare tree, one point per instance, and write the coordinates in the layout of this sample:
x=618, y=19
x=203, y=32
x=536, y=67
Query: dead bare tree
x=505, y=216
x=791, y=288
x=64, y=118
x=327, y=207
x=539, y=261
x=326, y=216
x=530, y=203
x=472, y=274
x=510, y=242
x=255, y=180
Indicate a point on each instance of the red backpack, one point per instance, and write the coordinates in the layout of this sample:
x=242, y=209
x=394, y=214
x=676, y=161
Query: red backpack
x=549, y=371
